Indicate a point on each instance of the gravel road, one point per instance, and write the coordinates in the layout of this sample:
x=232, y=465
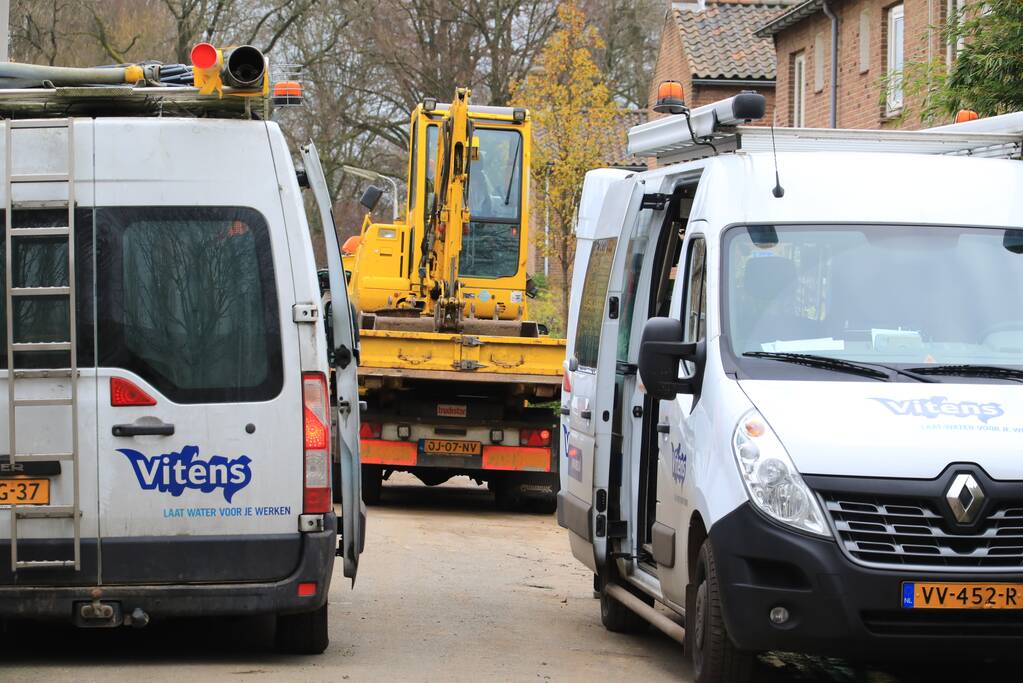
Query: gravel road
x=448, y=590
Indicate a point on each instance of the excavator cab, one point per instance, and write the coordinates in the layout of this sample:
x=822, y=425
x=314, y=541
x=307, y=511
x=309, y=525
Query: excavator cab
x=392, y=279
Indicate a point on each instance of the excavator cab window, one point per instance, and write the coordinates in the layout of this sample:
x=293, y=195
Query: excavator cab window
x=490, y=248
x=431, y=169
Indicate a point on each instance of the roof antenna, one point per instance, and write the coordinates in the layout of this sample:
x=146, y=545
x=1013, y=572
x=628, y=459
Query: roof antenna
x=778, y=190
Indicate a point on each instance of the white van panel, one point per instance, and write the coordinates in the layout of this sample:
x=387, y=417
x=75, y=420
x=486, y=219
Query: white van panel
x=202, y=164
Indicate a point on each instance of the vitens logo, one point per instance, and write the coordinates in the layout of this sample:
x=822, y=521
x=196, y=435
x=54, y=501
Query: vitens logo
x=679, y=460
x=938, y=406
x=174, y=472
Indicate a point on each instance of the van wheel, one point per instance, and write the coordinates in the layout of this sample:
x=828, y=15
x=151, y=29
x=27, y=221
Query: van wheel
x=372, y=482
x=715, y=657
x=615, y=616
x=304, y=633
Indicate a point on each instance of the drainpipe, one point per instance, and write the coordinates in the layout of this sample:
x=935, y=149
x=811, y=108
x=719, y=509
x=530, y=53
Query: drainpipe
x=833, y=117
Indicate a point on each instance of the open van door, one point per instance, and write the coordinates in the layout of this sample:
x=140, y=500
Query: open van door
x=586, y=507
x=353, y=510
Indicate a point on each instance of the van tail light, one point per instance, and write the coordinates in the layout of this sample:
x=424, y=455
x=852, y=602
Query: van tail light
x=566, y=382
x=535, y=438
x=316, y=496
x=124, y=392
x=371, y=430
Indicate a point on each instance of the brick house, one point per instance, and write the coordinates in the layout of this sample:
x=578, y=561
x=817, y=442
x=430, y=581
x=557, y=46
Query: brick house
x=712, y=48
x=875, y=39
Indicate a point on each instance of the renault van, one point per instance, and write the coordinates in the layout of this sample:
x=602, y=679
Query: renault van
x=796, y=413
x=166, y=431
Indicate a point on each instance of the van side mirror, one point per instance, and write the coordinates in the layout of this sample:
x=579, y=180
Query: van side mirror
x=660, y=352
x=371, y=197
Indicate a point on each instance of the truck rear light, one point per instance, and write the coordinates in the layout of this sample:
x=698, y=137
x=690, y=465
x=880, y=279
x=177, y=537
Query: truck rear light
x=535, y=438
x=316, y=444
x=124, y=392
x=370, y=430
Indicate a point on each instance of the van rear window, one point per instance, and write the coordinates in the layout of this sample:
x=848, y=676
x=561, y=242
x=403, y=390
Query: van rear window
x=187, y=299
x=591, y=307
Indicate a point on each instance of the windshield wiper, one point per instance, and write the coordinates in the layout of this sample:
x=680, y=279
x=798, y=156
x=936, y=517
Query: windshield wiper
x=515, y=165
x=823, y=362
x=992, y=371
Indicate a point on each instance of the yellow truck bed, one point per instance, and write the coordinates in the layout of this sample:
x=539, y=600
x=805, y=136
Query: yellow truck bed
x=463, y=357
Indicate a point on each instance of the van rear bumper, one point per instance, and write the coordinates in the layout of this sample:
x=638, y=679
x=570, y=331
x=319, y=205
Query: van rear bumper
x=839, y=608
x=180, y=600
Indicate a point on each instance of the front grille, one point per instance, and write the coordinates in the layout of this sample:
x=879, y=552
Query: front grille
x=911, y=532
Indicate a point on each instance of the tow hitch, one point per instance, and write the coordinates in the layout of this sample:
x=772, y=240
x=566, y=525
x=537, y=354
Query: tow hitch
x=99, y=613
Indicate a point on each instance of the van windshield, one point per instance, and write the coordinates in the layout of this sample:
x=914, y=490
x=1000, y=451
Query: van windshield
x=911, y=296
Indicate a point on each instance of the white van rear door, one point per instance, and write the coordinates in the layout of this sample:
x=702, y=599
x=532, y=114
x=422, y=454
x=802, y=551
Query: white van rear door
x=353, y=510
x=199, y=391
x=588, y=457
x=46, y=242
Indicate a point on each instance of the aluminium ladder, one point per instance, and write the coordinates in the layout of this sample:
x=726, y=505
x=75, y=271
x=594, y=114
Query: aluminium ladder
x=15, y=293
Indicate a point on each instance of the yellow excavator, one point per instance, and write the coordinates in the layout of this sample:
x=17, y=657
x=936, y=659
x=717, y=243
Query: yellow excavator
x=453, y=372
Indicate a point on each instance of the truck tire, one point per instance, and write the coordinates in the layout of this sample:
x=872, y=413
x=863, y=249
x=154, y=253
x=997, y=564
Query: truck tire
x=615, y=616
x=304, y=633
x=372, y=482
x=506, y=495
x=715, y=657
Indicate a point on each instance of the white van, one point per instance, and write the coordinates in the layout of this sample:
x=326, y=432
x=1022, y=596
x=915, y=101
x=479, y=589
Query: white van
x=795, y=416
x=163, y=365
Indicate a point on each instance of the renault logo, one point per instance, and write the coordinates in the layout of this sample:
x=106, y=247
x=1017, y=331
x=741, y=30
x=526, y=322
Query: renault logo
x=965, y=498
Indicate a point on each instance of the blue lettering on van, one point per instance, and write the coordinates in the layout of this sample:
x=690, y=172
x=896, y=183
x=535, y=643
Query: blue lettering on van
x=938, y=406
x=679, y=460
x=174, y=472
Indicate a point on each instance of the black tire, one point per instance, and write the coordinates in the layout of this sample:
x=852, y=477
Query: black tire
x=304, y=633
x=715, y=657
x=372, y=482
x=506, y=495
x=546, y=505
x=615, y=616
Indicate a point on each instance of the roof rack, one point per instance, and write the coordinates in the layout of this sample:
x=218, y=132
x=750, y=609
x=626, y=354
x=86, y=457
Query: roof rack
x=715, y=128
x=128, y=101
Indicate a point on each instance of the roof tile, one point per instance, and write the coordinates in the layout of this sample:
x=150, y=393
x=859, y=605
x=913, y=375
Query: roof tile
x=719, y=41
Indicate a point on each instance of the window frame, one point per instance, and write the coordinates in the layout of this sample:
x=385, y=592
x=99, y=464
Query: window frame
x=799, y=89
x=895, y=52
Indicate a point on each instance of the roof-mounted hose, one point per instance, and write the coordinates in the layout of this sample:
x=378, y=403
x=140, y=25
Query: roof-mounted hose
x=13, y=75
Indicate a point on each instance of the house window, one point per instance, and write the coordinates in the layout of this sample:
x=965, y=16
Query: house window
x=893, y=68
x=799, y=90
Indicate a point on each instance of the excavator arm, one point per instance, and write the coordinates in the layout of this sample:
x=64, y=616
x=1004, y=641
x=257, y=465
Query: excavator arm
x=449, y=215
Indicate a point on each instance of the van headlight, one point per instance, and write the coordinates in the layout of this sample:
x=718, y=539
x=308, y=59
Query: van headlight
x=773, y=483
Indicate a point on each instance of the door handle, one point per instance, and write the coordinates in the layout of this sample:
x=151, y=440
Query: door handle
x=162, y=429
x=566, y=411
x=585, y=414
x=663, y=429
